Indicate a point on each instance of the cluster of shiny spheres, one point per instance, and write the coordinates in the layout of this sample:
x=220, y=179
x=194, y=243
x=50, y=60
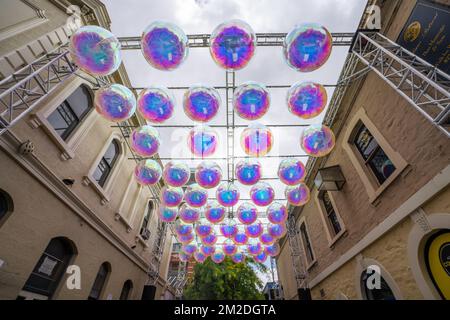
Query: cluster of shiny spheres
x=240, y=238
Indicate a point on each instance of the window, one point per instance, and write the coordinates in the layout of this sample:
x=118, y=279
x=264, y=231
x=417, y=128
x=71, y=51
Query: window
x=330, y=213
x=50, y=268
x=126, y=290
x=69, y=114
x=99, y=282
x=373, y=155
x=6, y=205
x=383, y=293
x=145, y=232
x=106, y=163
x=306, y=243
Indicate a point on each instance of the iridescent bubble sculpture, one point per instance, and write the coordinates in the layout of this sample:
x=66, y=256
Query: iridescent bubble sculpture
x=262, y=194
x=95, y=50
x=277, y=213
x=189, y=214
x=182, y=228
x=171, y=197
x=201, y=103
x=214, y=212
x=251, y=100
x=202, y=141
x=147, y=172
x=240, y=238
x=199, y=257
x=164, y=45
x=167, y=214
x=254, y=230
x=247, y=213
x=145, y=141
x=183, y=257
x=266, y=239
x=232, y=44
x=208, y=174
x=228, y=229
x=218, y=256
x=156, y=104
x=297, y=195
x=209, y=240
x=207, y=250
x=195, y=196
x=307, y=100
x=238, y=257
x=317, y=140
x=203, y=228
x=256, y=140
x=277, y=230
x=272, y=250
x=189, y=248
x=227, y=194
x=176, y=174
x=115, y=102
x=185, y=239
x=291, y=171
x=261, y=258
x=229, y=248
x=254, y=247
x=307, y=47
x=248, y=172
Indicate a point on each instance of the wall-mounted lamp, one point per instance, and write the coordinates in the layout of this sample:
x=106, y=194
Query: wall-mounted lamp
x=329, y=179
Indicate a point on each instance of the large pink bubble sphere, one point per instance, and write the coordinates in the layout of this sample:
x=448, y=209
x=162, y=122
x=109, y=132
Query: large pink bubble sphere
x=164, y=45
x=307, y=47
x=95, y=50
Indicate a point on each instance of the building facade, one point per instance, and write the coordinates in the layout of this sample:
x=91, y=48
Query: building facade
x=391, y=217
x=74, y=224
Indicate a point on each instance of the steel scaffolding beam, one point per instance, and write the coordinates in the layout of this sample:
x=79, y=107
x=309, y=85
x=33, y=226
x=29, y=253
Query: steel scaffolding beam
x=262, y=40
x=296, y=252
x=420, y=83
x=21, y=91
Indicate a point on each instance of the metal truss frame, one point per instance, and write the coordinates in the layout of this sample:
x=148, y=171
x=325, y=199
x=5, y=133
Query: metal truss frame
x=262, y=40
x=420, y=83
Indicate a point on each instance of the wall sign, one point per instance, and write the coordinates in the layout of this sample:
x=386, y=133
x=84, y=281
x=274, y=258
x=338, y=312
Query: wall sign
x=427, y=34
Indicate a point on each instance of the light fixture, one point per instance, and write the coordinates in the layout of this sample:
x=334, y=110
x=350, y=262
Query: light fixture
x=329, y=179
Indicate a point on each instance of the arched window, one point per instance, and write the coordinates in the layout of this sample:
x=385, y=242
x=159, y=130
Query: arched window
x=100, y=281
x=384, y=292
x=126, y=290
x=69, y=114
x=106, y=163
x=145, y=232
x=46, y=275
x=6, y=205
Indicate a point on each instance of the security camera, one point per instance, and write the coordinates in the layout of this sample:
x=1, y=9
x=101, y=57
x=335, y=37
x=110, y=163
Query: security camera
x=68, y=181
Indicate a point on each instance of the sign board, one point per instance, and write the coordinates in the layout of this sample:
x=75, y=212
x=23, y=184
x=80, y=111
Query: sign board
x=427, y=34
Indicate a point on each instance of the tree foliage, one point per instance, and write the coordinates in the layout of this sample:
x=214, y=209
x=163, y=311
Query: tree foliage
x=225, y=281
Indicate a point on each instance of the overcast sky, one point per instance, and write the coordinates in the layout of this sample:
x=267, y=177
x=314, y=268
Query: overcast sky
x=130, y=18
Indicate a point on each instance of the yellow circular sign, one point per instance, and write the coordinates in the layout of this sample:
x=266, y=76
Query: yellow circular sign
x=412, y=32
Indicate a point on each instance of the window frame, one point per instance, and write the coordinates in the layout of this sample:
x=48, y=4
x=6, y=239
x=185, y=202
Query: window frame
x=149, y=210
x=107, y=266
x=77, y=120
x=9, y=206
x=332, y=237
x=373, y=188
x=310, y=261
x=108, y=166
x=38, y=118
x=88, y=180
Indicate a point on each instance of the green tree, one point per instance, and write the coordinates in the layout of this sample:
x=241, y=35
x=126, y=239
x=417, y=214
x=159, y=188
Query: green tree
x=225, y=281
